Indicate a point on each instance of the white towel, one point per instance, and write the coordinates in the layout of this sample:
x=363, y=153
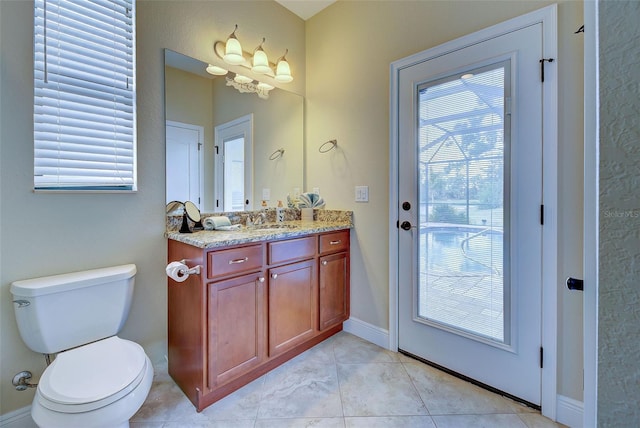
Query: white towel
x=212, y=223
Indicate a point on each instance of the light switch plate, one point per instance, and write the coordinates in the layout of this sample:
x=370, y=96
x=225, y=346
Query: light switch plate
x=266, y=194
x=362, y=193
x=316, y=190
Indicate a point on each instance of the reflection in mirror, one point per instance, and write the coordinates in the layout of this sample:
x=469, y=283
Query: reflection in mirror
x=198, y=103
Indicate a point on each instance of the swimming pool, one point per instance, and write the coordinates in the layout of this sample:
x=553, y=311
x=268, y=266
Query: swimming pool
x=461, y=278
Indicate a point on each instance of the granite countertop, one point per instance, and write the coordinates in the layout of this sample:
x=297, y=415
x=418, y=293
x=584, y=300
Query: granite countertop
x=258, y=233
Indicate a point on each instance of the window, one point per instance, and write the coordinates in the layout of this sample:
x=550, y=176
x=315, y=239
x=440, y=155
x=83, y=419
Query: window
x=84, y=95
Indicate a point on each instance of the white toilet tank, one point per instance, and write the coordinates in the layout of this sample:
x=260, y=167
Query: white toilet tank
x=60, y=312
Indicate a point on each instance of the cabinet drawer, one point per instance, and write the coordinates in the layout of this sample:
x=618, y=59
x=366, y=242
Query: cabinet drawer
x=292, y=249
x=333, y=242
x=233, y=261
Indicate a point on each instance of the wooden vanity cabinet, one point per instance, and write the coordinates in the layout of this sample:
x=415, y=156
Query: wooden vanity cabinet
x=236, y=323
x=334, y=279
x=253, y=307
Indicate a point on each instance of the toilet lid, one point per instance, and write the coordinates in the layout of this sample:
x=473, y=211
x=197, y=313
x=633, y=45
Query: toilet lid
x=91, y=374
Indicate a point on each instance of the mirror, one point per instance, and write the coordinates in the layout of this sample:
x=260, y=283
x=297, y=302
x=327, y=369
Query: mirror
x=200, y=109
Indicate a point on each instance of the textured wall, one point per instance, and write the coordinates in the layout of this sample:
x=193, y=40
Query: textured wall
x=619, y=247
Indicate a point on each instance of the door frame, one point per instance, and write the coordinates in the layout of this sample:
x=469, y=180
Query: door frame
x=547, y=16
x=591, y=219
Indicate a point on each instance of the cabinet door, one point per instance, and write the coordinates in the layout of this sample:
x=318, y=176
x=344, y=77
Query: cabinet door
x=334, y=289
x=237, y=327
x=293, y=305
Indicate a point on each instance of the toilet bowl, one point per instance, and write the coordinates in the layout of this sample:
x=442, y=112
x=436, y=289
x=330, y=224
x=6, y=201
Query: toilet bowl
x=96, y=379
x=102, y=384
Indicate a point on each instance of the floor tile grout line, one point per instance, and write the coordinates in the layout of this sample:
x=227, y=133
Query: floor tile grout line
x=416, y=388
x=335, y=366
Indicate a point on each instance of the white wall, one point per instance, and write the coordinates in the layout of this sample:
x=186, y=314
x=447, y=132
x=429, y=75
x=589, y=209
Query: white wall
x=349, y=48
x=44, y=234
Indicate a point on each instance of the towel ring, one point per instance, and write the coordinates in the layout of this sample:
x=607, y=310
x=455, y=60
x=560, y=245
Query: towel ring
x=323, y=148
x=277, y=154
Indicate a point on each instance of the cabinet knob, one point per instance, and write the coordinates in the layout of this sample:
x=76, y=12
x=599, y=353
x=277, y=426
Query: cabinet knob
x=261, y=279
x=324, y=263
x=274, y=275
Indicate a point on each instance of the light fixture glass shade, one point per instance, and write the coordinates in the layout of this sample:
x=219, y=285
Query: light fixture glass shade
x=264, y=86
x=233, y=50
x=242, y=79
x=215, y=70
x=283, y=71
x=260, y=62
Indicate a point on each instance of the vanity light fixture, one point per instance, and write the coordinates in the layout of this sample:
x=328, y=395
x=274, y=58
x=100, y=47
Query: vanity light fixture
x=242, y=79
x=215, y=70
x=260, y=60
x=246, y=84
x=283, y=71
x=233, y=50
x=264, y=86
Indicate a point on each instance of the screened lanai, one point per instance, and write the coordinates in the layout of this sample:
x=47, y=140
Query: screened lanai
x=463, y=156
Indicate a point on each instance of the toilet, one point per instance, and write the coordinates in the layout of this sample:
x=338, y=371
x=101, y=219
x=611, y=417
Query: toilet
x=96, y=379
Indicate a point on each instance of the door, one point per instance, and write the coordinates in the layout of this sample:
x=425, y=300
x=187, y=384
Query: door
x=234, y=165
x=470, y=192
x=237, y=327
x=184, y=163
x=293, y=305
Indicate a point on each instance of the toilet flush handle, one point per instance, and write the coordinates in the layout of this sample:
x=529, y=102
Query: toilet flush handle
x=22, y=303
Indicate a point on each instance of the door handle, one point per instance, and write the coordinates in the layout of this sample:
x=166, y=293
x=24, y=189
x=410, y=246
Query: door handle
x=575, y=284
x=405, y=225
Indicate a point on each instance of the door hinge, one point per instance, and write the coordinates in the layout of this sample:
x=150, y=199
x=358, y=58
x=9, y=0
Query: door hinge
x=542, y=61
x=199, y=146
x=542, y=214
x=507, y=106
x=217, y=203
x=541, y=357
x=398, y=224
x=217, y=150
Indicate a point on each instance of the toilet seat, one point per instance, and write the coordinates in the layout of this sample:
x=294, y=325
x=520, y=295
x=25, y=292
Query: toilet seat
x=92, y=376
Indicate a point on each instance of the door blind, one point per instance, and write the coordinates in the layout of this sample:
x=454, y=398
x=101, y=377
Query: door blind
x=84, y=95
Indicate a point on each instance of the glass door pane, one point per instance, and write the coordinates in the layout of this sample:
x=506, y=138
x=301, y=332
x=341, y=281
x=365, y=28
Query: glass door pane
x=463, y=250
x=234, y=174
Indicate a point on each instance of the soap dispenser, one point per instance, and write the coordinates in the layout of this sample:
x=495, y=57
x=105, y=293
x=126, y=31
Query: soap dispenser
x=279, y=212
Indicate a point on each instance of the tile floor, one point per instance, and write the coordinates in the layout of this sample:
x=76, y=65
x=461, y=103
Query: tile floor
x=342, y=382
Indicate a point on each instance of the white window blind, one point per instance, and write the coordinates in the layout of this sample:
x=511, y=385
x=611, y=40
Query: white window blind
x=85, y=98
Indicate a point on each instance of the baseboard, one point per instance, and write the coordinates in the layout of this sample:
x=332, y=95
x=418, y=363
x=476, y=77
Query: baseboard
x=156, y=351
x=366, y=331
x=569, y=411
x=20, y=418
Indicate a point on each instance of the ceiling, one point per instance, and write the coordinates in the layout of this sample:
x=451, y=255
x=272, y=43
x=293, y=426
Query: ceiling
x=305, y=9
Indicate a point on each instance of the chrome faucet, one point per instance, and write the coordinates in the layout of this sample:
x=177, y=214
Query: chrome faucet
x=258, y=219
